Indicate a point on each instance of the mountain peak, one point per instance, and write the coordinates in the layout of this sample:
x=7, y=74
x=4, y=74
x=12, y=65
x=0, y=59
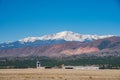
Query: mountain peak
x=65, y=35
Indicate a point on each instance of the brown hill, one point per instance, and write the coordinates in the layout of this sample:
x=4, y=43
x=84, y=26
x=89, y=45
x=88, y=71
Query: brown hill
x=67, y=48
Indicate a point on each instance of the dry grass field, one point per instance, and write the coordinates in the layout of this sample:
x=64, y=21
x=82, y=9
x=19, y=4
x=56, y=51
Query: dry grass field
x=58, y=74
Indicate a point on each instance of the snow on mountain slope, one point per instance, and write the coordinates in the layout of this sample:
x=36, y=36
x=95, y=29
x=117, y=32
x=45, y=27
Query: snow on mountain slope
x=65, y=35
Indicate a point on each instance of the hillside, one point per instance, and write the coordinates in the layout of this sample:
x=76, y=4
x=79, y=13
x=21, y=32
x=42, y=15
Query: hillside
x=66, y=48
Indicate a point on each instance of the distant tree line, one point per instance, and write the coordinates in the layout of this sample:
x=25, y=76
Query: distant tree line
x=30, y=62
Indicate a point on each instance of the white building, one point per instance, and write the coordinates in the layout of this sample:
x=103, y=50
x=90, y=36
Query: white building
x=38, y=65
x=81, y=67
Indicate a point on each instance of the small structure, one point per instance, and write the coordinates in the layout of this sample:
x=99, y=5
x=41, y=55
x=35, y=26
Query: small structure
x=69, y=67
x=48, y=67
x=38, y=65
x=81, y=67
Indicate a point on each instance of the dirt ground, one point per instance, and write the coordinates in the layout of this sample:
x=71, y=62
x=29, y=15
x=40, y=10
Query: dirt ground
x=58, y=74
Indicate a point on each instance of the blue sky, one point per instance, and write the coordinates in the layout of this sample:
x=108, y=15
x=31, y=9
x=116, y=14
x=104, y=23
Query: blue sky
x=23, y=18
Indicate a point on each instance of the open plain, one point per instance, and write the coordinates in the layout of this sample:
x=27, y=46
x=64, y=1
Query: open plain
x=58, y=74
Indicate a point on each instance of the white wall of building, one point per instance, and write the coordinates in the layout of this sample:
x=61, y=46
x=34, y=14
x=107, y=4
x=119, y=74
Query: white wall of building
x=82, y=67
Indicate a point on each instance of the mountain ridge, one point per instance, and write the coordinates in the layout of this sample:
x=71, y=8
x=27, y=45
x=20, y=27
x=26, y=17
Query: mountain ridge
x=62, y=43
x=51, y=39
x=65, y=35
x=67, y=48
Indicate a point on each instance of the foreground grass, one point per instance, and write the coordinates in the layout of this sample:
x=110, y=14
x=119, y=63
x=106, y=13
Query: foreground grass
x=58, y=74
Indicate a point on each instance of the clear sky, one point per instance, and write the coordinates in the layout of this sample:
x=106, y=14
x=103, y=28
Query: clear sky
x=23, y=18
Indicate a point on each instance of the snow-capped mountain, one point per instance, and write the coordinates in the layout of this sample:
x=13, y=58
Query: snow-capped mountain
x=102, y=47
x=62, y=43
x=67, y=36
x=51, y=39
